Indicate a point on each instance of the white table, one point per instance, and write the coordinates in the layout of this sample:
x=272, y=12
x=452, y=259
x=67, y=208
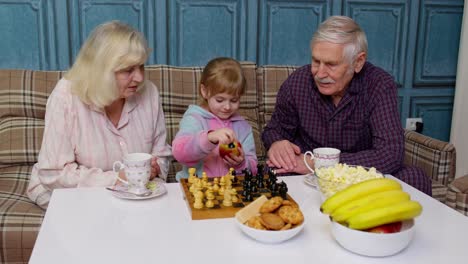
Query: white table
x=93, y=226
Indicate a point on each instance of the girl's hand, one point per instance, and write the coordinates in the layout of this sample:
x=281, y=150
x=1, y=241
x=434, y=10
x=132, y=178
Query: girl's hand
x=235, y=160
x=221, y=136
x=155, y=169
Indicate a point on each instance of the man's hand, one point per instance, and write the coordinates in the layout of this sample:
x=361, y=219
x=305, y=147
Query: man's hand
x=284, y=156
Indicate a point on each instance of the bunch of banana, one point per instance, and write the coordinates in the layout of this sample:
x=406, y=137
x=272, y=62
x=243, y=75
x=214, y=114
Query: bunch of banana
x=371, y=203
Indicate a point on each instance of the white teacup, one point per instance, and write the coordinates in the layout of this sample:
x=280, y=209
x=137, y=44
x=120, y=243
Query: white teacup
x=322, y=157
x=137, y=168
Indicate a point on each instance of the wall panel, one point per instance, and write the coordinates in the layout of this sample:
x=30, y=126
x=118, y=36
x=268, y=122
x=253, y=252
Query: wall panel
x=436, y=113
x=286, y=28
x=31, y=45
x=86, y=15
x=438, y=40
x=201, y=30
x=386, y=27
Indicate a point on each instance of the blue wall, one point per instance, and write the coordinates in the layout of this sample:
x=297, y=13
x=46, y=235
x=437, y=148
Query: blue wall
x=415, y=40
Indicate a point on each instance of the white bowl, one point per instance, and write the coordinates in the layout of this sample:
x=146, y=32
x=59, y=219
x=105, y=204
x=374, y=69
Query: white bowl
x=269, y=236
x=373, y=244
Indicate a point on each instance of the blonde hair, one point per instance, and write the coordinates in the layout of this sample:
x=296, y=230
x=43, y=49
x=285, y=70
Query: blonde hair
x=222, y=75
x=342, y=30
x=111, y=47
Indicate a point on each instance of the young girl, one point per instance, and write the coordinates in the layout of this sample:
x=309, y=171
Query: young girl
x=214, y=122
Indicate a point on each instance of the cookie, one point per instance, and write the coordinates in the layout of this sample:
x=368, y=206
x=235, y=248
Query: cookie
x=286, y=202
x=272, y=221
x=291, y=215
x=271, y=205
x=255, y=222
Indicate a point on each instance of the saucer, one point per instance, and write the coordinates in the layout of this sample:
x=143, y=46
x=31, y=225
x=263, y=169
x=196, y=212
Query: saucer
x=156, y=186
x=310, y=180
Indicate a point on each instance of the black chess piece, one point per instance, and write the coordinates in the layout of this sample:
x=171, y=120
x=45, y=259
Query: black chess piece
x=246, y=190
x=234, y=179
x=283, y=190
x=260, y=183
x=260, y=169
x=248, y=198
x=254, y=189
x=247, y=175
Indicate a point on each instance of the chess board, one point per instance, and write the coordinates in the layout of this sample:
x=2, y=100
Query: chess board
x=219, y=210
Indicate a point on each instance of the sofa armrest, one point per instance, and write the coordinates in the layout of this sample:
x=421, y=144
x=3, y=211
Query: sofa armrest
x=437, y=158
x=457, y=195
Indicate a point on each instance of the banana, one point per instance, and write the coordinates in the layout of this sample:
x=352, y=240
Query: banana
x=356, y=191
x=367, y=203
x=393, y=213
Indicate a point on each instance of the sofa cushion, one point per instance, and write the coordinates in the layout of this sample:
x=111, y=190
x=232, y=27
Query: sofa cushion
x=269, y=80
x=20, y=140
x=20, y=218
x=24, y=93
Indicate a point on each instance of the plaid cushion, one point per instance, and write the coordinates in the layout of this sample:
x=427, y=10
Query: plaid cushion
x=436, y=158
x=457, y=195
x=20, y=140
x=20, y=218
x=269, y=80
x=23, y=93
x=178, y=88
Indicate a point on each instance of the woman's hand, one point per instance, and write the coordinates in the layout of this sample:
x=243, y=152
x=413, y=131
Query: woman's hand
x=155, y=169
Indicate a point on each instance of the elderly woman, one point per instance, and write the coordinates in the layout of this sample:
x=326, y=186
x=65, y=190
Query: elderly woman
x=102, y=109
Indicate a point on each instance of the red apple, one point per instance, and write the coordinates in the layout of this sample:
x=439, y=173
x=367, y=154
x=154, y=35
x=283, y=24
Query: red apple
x=387, y=228
x=230, y=149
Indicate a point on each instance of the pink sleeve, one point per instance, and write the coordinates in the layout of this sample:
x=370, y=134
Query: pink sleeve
x=189, y=149
x=56, y=167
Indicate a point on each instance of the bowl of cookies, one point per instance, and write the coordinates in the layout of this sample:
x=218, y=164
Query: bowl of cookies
x=271, y=220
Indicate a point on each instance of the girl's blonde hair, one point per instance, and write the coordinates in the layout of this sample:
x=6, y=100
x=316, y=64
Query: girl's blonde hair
x=111, y=47
x=222, y=75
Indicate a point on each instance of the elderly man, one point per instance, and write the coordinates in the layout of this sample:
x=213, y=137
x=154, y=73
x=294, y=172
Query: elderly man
x=340, y=101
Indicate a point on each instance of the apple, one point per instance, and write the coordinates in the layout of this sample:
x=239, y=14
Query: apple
x=230, y=149
x=387, y=228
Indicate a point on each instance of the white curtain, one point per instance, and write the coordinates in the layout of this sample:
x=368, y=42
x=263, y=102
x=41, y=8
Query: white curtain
x=459, y=131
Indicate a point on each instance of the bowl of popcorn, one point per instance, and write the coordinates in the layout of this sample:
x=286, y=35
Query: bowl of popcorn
x=336, y=178
x=273, y=220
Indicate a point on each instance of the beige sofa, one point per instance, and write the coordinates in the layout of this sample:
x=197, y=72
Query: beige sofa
x=23, y=96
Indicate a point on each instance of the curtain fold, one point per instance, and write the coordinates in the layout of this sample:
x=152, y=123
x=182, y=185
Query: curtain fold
x=459, y=130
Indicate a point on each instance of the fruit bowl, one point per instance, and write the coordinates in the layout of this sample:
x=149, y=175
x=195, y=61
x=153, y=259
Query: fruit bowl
x=373, y=244
x=333, y=179
x=269, y=236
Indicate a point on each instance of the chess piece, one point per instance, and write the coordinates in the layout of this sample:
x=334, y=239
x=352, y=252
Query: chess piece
x=204, y=180
x=234, y=196
x=209, y=204
x=232, y=172
x=215, y=185
x=260, y=169
x=191, y=173
x=209, y=197
x=222, y=183
x=227, y=199
x=283, y=190
x=198, y=204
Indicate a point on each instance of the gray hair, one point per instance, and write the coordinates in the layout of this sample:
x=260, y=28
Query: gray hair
x=342, y=30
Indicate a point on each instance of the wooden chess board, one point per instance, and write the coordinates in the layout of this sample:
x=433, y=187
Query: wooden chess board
x=219, y=210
